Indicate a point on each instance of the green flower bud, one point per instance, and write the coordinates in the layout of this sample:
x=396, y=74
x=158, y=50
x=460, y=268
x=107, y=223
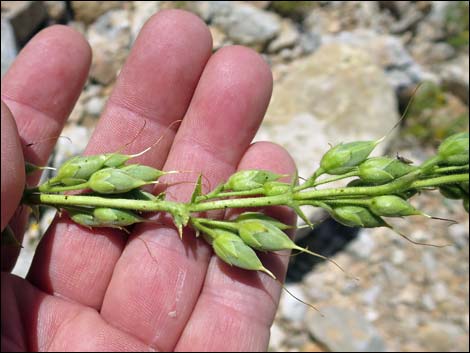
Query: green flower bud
x=453, y=192
x=112, y=181
x=142, y=172
x=381, y=170
x=249, y=179
x=355, y=216
x=231, y=249
x=392, y=206
x=104, y=217
x=78, y=169
x=84, y=219
x=454, y=150
x=344, y=157
x=116, y=160
x=261, y=216
x=264, y=236
x=115, y=217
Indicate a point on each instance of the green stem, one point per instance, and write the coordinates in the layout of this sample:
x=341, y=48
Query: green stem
x=335, y=178
x=256, y=191
x=451, y=169
x=445, y=179
x=336, y=202
x=97, y=201
x=399, y=185
x=221, y=224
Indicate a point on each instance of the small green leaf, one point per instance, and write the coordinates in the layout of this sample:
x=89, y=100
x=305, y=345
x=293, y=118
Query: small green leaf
x=197, y=189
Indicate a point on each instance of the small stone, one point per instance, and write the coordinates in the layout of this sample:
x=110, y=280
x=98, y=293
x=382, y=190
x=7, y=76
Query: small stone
x=398, y=257
x=396, y=277
x=408, y=295
x=372, y=315
x=287, y=38
x=363, y=246
x=309, y=42
x=369, y=296
x=428, y=303
x=439, y=292
x=277, y=337
x=95, y=106
x=344, y=330
x=245, y=24
x=292, y=309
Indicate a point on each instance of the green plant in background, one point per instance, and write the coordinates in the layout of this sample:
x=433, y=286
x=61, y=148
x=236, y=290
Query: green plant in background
x=294, y=9
x=456, y=23
x=431, y=117
x=382, y=188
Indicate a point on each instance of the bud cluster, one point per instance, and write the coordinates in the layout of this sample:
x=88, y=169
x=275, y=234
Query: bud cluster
x=382, y=188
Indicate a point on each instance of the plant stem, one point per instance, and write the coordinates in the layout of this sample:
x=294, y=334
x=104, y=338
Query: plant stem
x=335, y=178
x=305, y=197
x=451, y=169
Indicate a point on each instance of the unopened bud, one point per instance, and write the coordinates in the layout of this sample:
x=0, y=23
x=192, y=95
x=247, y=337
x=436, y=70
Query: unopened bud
x=344, y=157
x=113, y=181
x=454, y=149
x=392, y=206
x=143, y=172
x=381, y=170
x=250, y=179
x=356, y=216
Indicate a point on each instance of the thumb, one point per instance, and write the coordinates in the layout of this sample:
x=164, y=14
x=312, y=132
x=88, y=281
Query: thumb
x=12, y=167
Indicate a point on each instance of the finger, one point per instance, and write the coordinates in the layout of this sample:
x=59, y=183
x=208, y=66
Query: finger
x=37, y=322
x=155, y=300
x=155, y=85
x=40, y=89
x=42, y=86
x=235, y=303
x=13, y=180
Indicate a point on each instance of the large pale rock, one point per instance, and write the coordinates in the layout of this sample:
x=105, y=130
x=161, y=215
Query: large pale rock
x=386, y=51
x=338, y=94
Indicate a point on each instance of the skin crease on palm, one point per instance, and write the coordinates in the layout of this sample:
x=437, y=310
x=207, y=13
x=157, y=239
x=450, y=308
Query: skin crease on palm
x=100, y=290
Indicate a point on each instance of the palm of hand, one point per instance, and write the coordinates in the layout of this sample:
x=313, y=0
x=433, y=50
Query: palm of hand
x=100, y=289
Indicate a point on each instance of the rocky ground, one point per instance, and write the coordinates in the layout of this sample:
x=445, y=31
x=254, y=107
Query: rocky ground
x=342, y=71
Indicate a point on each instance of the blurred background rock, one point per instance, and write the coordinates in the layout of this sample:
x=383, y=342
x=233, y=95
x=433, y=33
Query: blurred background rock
x=343, y=71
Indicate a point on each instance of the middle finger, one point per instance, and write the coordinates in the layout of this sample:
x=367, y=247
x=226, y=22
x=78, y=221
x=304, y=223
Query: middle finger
x=155, y=85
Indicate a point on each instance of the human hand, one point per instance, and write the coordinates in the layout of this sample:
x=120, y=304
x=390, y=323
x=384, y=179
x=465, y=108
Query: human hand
x=100, y=289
